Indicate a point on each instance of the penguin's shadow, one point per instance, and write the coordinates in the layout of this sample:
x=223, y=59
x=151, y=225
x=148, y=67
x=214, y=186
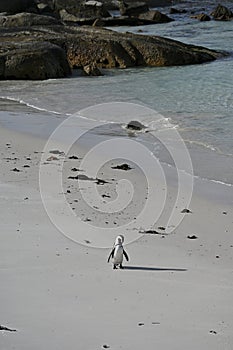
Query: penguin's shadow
x=148, y=268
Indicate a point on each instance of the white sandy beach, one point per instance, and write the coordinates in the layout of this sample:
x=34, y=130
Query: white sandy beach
x=174, y=293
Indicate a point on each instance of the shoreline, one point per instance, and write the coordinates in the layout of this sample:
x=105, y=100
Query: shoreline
x=204, y=158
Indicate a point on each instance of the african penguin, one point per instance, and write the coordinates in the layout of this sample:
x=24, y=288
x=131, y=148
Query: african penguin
x=118, y=252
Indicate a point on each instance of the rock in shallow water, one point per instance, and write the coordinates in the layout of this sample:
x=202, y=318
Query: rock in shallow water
x=222, y=13
x=92, y=70
x=202, y=17
x=135, y=125
x=155, y=16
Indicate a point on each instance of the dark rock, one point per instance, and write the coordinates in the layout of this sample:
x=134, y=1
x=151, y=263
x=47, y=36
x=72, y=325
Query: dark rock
x=37, y=62
x=73, y=157
x=92, y=70
x=202, y=17
x=222, y=13
x=71, y=6
x=159, y=3
x=87, y=178
x=114, y=4
x=3, y=328
x=151, y=232
x=82, y=9
x=135, y=125
x=2, y=67
x=133, y=9
x=155, y=16
x=67, y=17
x=124, y=166
x=93, y=8
x=56, y=151
x=82, y=178
x=119, y=21
x=50, y=3
x=99, y=22
x=186, y=211
x=9, y=158
x=16, y=6
x=174, y=11
x=111, y=4
x=101, y=181
x=45, y=8
x=27, y=20
x=16, y=170
x=192, y=237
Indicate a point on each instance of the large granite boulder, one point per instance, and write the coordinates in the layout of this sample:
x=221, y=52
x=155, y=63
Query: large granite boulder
x=42, y=52
x=16, y=6
x=35, y=62
x=25, y=19
x=109, y=49
x=222, y=13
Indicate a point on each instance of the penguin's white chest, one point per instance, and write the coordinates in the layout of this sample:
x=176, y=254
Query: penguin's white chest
x=118, y=255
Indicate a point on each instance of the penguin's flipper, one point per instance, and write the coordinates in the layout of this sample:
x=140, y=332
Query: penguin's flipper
x=126, y=255
x=111, y=255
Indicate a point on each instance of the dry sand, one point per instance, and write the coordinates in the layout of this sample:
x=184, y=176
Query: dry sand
x=174, y=293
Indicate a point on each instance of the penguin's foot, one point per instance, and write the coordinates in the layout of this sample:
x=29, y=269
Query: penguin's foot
x=121, y=267
x=114, y=267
